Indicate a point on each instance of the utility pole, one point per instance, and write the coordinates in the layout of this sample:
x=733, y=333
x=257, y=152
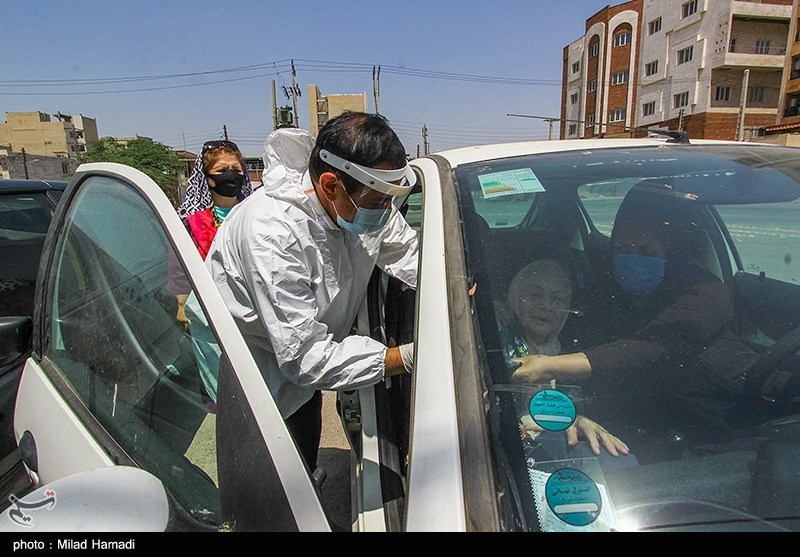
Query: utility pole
x=225, y=132
x=294, y=98
x=742, y=106
x=25, y=162
x=425, y=138
x=550, y=124
x=274, y=107
x=376, y=86
x=680, y=119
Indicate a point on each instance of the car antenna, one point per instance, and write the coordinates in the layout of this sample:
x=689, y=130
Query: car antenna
x=676, y=136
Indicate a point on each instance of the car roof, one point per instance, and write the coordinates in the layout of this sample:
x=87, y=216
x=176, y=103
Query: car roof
x=478, y=153
x=31, y=186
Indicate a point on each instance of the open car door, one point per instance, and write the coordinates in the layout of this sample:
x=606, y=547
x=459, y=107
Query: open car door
x=115, y=380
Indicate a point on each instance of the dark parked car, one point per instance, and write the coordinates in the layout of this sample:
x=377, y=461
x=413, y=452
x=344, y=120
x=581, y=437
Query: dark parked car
x=26, y=207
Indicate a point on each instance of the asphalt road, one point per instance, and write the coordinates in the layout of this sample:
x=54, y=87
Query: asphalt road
x=334, y=457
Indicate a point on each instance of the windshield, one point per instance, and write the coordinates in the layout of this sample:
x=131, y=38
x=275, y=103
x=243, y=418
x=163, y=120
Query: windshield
x=639, y=318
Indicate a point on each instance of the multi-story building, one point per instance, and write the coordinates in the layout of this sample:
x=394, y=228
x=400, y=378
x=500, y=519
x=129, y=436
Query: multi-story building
x=787, y=126
x=722, y=65
x=600, y=73
x=38, y=134
x=323, y=108
x=712, y=68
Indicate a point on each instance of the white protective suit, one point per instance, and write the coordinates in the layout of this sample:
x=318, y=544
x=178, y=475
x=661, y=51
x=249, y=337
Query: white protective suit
x=294, y=281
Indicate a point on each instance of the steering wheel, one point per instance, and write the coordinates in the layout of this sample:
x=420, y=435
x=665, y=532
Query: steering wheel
x=768, y=361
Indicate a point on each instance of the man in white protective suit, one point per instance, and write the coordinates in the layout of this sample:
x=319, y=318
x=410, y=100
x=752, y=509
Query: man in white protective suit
x=294, y=260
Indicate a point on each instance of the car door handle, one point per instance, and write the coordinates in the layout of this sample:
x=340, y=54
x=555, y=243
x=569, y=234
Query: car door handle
x=27, y=449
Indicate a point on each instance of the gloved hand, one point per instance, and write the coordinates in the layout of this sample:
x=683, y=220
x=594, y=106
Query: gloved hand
x=407, y=353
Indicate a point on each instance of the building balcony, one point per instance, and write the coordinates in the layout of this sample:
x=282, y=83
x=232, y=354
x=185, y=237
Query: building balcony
x=761, y=11
x=774, y=60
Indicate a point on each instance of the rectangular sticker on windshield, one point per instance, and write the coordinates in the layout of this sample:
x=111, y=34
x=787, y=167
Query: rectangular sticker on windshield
x=509, y=182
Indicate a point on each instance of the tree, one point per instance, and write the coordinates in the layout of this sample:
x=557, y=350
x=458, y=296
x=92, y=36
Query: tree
x=153, y=158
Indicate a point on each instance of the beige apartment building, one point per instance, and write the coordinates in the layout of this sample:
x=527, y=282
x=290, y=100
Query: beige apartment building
x=710, y=67
x=323, y=108
x=38, y=134
x=786, y=129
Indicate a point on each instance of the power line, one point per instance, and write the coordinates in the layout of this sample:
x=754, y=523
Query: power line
x=62, y=93
x=305, y=64
x=100, y=81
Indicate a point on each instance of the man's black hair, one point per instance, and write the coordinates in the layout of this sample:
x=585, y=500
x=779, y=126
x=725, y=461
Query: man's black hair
x=358, y=137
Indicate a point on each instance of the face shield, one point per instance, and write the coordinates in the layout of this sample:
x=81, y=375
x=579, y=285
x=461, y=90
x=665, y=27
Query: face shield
x=383, y=194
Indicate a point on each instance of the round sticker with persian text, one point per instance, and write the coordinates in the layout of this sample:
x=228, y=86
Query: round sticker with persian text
x=573, y=497
x=552, y=410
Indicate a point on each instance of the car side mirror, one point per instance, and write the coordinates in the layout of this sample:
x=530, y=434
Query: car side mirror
x=15, y=339
x=109, y=499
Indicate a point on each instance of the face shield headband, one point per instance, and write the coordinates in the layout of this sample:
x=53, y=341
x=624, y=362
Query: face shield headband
x=374, y=178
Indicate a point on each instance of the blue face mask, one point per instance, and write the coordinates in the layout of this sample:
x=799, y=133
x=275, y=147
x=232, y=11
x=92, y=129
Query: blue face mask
x=638, y=274
x=366, y=220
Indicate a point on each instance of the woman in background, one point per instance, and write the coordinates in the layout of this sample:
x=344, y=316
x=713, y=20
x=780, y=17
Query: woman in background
x=218, y=182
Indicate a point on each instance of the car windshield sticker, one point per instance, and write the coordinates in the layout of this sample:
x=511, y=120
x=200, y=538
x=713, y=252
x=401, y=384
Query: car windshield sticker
x=509, y=182
x=570, y=501
x=552, y=410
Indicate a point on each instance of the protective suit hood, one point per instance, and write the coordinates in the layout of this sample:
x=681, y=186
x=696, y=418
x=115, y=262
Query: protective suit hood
x=286, y=154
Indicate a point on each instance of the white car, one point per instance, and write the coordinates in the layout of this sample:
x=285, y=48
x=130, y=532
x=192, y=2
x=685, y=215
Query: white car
x=699, y=379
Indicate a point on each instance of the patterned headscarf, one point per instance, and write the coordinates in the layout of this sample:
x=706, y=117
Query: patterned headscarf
x=198, y=193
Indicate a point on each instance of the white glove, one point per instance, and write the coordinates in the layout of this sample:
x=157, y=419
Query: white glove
x=407, y=353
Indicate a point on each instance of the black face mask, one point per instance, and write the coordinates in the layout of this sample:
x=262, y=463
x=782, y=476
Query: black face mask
x=228, y=183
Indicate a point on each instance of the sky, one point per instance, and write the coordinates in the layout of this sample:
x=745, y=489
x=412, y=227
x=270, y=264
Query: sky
x=178, y=71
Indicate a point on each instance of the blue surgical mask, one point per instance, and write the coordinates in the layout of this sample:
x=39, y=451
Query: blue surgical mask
x=366, y=220
x=638, y=274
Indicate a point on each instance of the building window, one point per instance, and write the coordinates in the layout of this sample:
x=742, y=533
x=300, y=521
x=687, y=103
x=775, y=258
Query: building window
x=793, y=105
x=573, y=129
x=688, y=8
x=797, y=34
x=795, y=67
x=651, y=68
x=648, y=109
x=755, y=95
x=681, y=99
x=593, y=86
x=573, y=99
x=621, y=39
x=594, y=50
x=576, y=67
x=590, y=121
x=618, y=115
x=620, y=78
x=685, y=55
x=654, y=26
x=723, y=94
x=733, y=45
x=762, y=46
